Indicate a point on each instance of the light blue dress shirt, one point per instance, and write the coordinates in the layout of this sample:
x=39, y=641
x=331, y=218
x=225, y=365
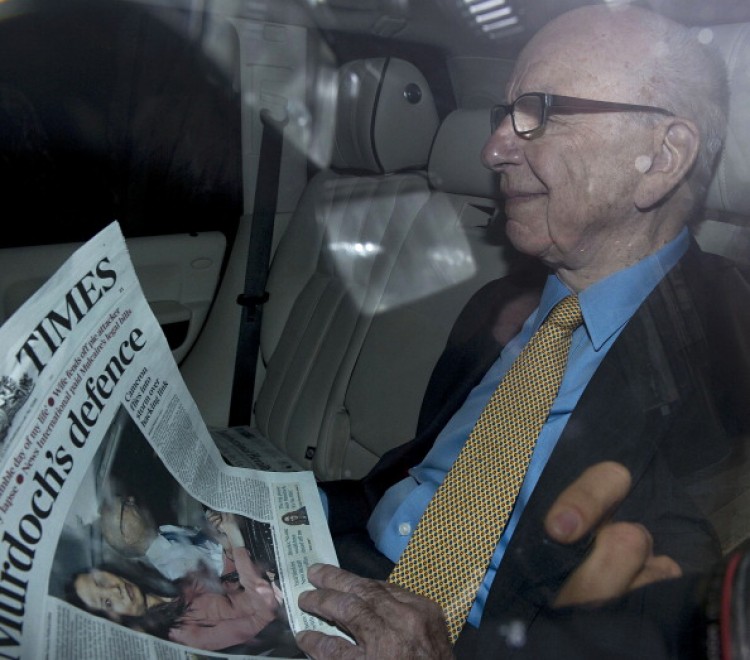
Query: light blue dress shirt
x=607, y=306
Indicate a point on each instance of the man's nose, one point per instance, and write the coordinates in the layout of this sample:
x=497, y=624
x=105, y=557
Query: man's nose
x=502, y=147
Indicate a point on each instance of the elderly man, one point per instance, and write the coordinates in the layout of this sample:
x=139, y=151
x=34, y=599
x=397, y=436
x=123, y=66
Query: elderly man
x=604, y=153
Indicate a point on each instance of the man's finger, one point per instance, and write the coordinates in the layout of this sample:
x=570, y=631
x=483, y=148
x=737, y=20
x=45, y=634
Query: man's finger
x=319, y=646
x=585, y=504
x=385, y=620
x=656, y=569
x=619, y=555
x=327, y=576
x=331, y=605
x=352, y=602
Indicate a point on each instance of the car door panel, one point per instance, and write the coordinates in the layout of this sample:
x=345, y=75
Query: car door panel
x=179, y=274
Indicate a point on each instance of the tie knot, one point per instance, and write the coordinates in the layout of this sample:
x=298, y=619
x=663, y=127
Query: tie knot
x=566, y=314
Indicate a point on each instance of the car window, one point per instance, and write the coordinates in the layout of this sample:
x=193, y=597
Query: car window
x=110, y=113
x=423, y=231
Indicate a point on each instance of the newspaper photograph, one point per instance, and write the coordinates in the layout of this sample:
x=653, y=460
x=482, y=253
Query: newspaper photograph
x=123, y=530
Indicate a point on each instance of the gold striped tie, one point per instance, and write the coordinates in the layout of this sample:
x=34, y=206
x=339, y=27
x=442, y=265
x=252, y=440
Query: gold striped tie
x=448, y=555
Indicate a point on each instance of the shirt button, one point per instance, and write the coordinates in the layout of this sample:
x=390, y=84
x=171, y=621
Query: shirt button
x=404, y=529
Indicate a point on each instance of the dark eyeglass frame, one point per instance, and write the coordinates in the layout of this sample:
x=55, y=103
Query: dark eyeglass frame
x=557, y=102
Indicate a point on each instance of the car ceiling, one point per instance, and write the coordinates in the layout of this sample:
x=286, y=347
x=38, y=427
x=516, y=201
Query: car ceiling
x=443, y=23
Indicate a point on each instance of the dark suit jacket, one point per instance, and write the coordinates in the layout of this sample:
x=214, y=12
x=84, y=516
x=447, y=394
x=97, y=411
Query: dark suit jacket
x=668, y=401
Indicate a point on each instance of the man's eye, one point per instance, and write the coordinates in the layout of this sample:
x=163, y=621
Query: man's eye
x=107, y=603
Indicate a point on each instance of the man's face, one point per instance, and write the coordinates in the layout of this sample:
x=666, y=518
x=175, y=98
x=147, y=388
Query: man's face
x=126, y=526
x=569, y=191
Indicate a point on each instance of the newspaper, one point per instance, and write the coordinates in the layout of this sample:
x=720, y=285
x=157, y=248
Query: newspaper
x=123, y=531
x=243, y=447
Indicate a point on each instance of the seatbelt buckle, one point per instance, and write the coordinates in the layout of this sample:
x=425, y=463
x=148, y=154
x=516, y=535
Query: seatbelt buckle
x=252, y=302
x=276, y=118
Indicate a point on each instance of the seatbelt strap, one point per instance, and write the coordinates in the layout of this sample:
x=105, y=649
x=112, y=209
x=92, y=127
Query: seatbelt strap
x=256, y=272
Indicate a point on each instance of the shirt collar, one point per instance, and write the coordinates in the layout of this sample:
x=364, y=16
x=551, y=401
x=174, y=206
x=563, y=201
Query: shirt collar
x=608, y=304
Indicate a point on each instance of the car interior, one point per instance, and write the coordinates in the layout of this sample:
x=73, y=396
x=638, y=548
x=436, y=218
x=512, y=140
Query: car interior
x=383, y=220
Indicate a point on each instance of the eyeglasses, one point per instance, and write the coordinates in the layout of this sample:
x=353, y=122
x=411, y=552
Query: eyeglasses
x=529, y=112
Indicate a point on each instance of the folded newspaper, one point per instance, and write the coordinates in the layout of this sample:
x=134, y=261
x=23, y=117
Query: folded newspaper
x=124, y=533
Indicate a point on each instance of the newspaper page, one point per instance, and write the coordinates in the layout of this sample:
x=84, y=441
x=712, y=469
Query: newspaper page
x=123, y=532
x=244, y=447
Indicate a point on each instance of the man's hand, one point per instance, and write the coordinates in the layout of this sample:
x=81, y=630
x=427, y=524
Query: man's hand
x=385, y=620
x=389, y=622
x=226, y=526
x=622, y=556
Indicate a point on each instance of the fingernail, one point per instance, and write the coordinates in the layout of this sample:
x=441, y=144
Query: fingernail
x=565, y=524
x=313, y=569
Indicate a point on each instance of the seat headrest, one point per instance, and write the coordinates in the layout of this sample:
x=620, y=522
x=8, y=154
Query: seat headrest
x=386, y=117
x=455, y=164
x=730, y=188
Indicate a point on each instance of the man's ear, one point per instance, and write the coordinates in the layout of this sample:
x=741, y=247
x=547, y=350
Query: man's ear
x=676, y=146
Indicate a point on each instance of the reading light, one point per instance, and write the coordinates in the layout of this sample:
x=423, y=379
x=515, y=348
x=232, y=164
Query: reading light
x=492, y=17
x=487, y=5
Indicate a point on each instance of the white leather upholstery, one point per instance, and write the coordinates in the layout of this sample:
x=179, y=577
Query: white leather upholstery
x=730, y=188
x=368, y=279
x=729, y=192
x=446, y=257
x=330, y=269
x=386, y=117
x=455, y=164
x=326, y=282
